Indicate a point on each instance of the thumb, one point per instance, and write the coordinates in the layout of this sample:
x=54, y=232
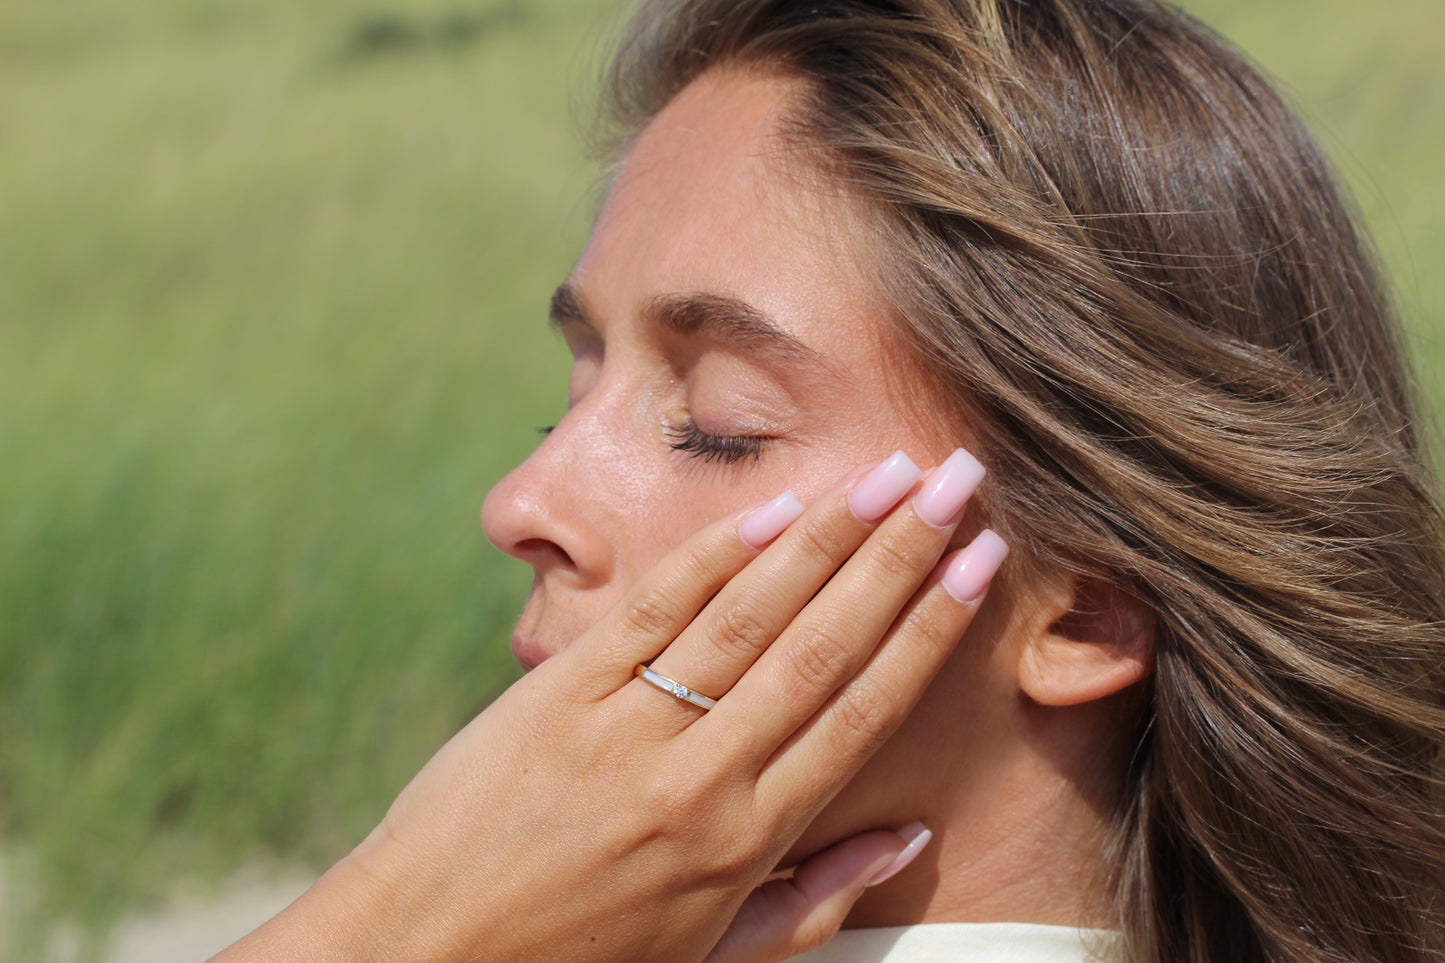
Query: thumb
x=785, y=917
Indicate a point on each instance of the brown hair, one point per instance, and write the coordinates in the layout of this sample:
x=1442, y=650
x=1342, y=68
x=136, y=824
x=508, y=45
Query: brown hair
x=1126, y=263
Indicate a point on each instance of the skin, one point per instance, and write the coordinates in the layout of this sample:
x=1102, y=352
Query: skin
x=708, y=201
x=585, y=815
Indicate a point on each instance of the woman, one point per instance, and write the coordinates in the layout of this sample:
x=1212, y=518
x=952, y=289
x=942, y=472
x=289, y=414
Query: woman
x=1199, y=715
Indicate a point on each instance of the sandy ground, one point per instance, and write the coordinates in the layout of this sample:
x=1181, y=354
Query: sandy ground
x=193, y=929
x=190, y=928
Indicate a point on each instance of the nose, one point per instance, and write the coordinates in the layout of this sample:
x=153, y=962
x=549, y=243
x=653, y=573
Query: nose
x=548, y=511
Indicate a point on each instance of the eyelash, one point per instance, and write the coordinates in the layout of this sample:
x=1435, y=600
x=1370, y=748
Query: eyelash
x=724, y=449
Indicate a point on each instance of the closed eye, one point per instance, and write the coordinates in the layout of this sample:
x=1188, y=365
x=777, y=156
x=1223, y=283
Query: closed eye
x=721, y=449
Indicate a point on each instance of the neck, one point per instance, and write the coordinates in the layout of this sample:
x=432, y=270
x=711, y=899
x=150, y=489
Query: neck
x=1022, y=838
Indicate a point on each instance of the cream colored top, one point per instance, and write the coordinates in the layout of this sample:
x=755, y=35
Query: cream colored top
x=968, y=943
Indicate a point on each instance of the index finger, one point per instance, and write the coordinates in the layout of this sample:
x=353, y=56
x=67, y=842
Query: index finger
x=667, y=598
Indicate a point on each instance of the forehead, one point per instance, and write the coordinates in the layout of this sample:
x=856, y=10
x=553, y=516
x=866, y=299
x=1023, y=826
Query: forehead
x=726, y=129
x=713, y=198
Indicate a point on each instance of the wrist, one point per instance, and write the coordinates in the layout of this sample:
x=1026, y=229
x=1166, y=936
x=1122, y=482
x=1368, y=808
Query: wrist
x=358, y=910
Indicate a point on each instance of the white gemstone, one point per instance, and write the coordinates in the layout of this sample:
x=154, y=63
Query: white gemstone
x=679, y=690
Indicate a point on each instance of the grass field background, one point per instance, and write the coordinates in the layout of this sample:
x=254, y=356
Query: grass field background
x=272, y=291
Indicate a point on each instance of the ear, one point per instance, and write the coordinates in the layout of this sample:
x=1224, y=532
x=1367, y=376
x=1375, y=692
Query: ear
x=1089, y=640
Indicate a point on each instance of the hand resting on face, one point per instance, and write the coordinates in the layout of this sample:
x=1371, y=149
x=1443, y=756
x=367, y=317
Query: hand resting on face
x=586, y=815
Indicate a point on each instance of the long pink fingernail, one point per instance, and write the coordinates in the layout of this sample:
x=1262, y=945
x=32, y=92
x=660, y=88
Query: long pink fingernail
x=969, y=572
x=918, y=836
x=940, y=501
x=883, y=487
x=767, y=521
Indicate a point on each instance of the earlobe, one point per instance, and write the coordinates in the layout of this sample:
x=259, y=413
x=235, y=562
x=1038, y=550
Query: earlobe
x=1099, y=641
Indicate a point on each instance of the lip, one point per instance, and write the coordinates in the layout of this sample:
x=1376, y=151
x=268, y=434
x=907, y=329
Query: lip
x=527, y=650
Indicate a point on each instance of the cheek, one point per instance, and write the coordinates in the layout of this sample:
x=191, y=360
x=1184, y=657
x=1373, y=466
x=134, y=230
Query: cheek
x=691, y=495
x=681, y=496
x=665, y=512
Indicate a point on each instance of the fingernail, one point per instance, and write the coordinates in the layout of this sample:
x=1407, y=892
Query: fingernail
x=918, y=836
x=767, y=521
x=970, y=571
x=947, y=487
x=883, y=487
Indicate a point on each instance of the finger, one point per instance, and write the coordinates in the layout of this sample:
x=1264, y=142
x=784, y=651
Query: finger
x=864, y=712
x=785, y=917
x=665, y=600
x=837, y=631
x=754, y=608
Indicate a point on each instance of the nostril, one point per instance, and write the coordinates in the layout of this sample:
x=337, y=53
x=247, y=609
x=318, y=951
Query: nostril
x=542, y=552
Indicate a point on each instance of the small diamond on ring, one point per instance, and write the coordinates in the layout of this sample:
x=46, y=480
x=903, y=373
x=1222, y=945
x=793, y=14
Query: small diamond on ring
x=679, y=690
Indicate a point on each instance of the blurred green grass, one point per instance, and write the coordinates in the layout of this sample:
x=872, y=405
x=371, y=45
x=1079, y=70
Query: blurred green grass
x=272, y=319
x=272, y=291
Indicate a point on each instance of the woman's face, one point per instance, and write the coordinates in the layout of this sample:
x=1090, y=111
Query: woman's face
x=725, y=347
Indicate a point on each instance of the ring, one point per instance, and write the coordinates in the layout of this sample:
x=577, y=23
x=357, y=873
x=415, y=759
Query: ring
x=673, y=688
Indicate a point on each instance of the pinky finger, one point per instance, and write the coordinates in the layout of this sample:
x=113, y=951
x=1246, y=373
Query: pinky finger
x=785, y=917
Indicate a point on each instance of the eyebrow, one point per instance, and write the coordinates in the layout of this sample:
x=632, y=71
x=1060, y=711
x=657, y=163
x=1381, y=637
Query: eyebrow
x=714, y=315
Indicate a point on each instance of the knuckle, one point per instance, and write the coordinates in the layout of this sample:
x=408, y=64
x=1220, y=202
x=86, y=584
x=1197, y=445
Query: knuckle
x=738, y=633
x=928, y=634
x=898, y=560
x=864, y=719
x=670, y=801
x=698, y=808
x=744, y=851
x=821, y=545
x=650, y=615
x=695, y=563
x=820, y=661
x=814, y=932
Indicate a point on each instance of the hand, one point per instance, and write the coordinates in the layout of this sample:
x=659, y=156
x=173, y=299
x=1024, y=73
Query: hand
x=585, y=815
